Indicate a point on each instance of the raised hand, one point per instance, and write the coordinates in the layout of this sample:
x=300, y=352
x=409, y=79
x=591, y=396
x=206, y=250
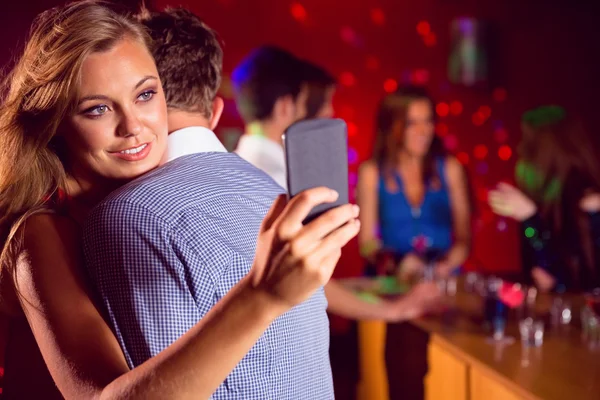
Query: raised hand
x=508, y=201
x=293, y=260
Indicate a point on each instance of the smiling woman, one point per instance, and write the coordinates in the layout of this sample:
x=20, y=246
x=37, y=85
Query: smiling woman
x=118, y=129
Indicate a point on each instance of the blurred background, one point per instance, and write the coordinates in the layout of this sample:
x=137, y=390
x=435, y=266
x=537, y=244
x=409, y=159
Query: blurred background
x=484, y=62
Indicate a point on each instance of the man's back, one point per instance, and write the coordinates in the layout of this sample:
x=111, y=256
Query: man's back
x=165, y=248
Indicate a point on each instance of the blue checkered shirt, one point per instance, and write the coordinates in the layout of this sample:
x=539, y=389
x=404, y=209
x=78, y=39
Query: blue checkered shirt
x=163, y=250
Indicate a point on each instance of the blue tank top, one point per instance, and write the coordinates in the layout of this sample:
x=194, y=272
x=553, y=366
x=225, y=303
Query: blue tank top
x=426, y=230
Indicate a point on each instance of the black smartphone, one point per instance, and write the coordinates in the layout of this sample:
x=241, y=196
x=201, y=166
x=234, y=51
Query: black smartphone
x=316, y=153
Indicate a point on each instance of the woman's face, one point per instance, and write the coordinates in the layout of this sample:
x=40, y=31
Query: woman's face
x=419, y=130
x=118, y=130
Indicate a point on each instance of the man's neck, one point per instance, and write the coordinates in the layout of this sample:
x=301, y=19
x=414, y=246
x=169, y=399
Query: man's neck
x=265, y=129
x=183, y=119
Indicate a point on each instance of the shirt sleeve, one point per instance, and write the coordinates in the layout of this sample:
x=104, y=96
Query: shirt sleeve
x=135, y=260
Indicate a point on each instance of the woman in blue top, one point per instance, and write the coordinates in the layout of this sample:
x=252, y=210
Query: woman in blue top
x=412, y=191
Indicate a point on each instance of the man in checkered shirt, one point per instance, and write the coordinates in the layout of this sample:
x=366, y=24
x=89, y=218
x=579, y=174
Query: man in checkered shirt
x=165, y=248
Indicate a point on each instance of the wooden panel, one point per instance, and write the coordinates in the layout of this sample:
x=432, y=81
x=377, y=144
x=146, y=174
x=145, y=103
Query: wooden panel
x=484, y=387
x=447, y=377
x=373, y=383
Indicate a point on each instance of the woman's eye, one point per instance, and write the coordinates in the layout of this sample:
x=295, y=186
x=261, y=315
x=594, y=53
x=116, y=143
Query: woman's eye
x=97, y=110
x=147, y=95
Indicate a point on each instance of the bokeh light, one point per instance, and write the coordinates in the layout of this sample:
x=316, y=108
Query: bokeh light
x=430, y=39
x=390, y=85
x=456, y=107
x=482, y=168
x=298, y=12
x=377, y=16
x=486, y=111
x=463, y=157
x=529, y=232
x=352, y=179
x=480, y=151
x=478, y=118
x=352, y=129
x=442, y=109
x=347, y=78
x=451, y=142
x=352, y=156
x=420, y=77
x=501, y=225
x=504, y=152
x=423, y=28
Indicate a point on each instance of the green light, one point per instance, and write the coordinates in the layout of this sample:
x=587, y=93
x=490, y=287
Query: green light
x=529, y=232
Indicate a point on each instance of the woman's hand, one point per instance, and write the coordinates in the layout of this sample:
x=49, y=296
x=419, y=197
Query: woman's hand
x=293, y=260
x=410, y=267
x=590, y=203
x=422, y=298
x=508, y=201
x=542, y=279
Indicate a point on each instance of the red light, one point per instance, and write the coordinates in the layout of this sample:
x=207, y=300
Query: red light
x=352, y=129
x=463, y=158
x=478, y=119
x=347, y=79
x=390, y=85
x=500, y=135
x=451, y=142
x=420, y=77
x=423, y=28
x=486, y=111
x=372, y=63
x=499, y=94
x=442, y=109
x=377, y=16
x=480, y=151
x=430, y=40
x=298, y=12
x=441, y=129
x=456, y=108
x=504, y=152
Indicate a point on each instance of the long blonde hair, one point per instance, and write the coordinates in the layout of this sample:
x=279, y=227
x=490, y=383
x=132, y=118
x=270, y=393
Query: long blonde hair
x=39, y=93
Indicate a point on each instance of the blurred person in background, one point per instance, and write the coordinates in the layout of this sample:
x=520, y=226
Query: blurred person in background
x=557, y=201
x=412, y=192
x=274, y=89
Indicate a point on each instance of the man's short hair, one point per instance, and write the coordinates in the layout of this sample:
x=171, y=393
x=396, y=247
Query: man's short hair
x=318, y=81
x=188, y=56
x=265, y=75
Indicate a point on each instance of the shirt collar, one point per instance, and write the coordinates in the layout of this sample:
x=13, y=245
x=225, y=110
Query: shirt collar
x=192, y=140
x=256, y=144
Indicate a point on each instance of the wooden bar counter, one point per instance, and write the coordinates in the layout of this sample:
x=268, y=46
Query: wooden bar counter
x=463, y=364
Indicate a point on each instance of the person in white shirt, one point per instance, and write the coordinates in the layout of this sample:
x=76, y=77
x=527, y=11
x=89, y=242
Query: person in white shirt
x=273, y=89
x=284, y=89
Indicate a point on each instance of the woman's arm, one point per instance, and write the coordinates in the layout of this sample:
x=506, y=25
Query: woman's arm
x=461, y=217
x=82, y=353
x=345, y=303
x=367, y=199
